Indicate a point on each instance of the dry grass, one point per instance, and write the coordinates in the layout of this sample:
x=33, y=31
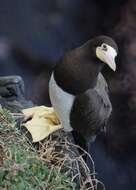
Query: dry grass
x=58, y=151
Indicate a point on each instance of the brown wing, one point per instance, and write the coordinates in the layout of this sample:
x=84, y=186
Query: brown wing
x=91, y=110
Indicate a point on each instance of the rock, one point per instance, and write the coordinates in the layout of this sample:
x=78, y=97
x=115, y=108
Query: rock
x=12, y=93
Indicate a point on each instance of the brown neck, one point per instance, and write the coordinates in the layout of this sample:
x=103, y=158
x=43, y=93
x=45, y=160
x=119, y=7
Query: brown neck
x=77, y=72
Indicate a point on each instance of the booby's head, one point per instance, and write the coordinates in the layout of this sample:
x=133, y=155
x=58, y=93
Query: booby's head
x=105, y=50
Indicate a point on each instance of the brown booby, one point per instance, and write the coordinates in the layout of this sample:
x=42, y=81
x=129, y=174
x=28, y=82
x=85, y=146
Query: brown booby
x=78, y=90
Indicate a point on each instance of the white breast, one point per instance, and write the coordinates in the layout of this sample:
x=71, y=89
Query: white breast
x=62, y=103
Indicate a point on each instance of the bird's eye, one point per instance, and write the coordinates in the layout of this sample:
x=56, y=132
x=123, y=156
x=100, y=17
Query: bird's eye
x=104, y=47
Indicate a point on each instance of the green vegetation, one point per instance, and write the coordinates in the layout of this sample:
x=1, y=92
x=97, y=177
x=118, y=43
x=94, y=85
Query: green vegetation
x=20, y=166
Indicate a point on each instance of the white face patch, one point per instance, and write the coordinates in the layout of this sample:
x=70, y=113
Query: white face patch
x=62, y=103
x=107, y=54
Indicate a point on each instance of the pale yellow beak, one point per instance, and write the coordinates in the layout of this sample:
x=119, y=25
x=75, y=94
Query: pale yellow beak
x=108, y=56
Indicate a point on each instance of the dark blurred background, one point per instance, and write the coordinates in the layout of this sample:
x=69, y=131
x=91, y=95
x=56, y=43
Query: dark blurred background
x=34, y=34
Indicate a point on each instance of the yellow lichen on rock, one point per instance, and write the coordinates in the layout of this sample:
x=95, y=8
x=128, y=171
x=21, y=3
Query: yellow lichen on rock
x=42, y=122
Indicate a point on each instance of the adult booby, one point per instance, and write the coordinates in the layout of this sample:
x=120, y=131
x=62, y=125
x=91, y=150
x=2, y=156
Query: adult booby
x=77, y=89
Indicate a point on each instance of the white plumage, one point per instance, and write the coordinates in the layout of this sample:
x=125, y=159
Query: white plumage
x=62, y=103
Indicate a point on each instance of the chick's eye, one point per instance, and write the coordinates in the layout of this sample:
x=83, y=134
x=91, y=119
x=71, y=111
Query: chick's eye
x=104, y=47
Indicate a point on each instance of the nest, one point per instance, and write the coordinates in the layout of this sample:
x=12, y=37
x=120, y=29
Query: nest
x=59, y=151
